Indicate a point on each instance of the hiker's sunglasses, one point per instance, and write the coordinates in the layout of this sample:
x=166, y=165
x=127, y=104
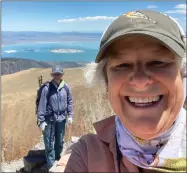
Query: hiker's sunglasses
x=57, y=74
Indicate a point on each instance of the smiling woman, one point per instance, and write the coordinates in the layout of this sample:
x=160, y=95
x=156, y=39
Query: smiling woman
x=142, y=62
x=142, y=80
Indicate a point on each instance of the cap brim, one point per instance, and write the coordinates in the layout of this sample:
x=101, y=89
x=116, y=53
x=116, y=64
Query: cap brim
x=167, y=41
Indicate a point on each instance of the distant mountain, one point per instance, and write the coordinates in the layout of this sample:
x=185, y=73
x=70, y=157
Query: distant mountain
x=9, y=37
x=13, y=65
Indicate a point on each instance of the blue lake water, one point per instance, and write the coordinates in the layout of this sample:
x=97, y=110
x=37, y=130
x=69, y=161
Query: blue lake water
x=57, y=51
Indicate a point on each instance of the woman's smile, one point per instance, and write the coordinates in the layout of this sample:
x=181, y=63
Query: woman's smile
x=144, y=102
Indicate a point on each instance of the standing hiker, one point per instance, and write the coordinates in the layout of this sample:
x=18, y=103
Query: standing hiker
x=54, y=107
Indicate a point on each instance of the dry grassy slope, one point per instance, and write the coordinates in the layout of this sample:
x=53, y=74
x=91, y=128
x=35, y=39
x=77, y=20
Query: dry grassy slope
x=23, y=85
x=27, y=80
x=19, y=130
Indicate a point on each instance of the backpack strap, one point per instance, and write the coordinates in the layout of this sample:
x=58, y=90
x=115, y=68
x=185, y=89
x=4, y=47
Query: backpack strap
x=66, y=88
x=67, y=91
x=49, y=84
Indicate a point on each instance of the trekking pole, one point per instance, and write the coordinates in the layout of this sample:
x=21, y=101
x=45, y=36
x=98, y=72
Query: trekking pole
x=41, y=80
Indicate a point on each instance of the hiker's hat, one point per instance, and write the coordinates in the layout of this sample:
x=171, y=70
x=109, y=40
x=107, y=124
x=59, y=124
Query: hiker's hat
x=145, y=22
x=57, y=70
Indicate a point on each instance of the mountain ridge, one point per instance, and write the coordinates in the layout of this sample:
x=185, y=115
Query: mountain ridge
x=13, y=65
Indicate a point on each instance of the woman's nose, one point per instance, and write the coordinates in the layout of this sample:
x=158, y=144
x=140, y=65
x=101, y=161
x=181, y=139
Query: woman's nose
x=140, y=79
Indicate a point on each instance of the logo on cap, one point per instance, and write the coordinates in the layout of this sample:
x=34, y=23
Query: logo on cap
x=136, y=15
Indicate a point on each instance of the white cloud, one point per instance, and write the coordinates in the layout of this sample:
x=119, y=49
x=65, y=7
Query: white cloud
x=176, y=11
x=152, y=6
x=180, y=9
x=89, y=18
x=183, y=6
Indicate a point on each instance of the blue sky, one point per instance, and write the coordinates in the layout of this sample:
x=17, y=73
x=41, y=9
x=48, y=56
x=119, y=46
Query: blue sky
x=78, y=16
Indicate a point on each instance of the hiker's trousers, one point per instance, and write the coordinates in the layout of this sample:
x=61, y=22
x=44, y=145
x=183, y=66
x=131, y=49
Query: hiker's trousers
x=53, y=140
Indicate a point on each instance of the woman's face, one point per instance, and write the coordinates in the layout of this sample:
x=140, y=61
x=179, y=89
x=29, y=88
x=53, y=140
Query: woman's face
x=144, y=85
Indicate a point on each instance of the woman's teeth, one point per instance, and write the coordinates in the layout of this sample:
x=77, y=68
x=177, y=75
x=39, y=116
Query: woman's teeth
x=144, y=101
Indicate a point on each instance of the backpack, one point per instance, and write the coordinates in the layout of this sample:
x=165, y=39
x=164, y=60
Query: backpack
x=39, y=92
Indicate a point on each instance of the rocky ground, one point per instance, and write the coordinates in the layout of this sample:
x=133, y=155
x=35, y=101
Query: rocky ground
x=18, y=166
x=13, y=166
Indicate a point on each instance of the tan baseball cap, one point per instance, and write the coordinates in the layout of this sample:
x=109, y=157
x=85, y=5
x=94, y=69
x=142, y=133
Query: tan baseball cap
x=146, y=22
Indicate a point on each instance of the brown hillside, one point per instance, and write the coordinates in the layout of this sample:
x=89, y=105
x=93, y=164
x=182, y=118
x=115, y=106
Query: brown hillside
x=19, y=130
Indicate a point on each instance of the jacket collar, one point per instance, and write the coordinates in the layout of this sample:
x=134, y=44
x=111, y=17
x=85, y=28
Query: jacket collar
x=106, y=130
x=61, y=85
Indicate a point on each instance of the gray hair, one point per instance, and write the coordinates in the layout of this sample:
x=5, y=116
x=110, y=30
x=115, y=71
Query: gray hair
x=95, y=73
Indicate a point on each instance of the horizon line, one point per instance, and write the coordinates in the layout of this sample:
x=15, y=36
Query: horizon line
x=60, y=31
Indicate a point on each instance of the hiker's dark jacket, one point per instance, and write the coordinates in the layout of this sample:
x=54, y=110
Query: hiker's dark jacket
x=60, y=103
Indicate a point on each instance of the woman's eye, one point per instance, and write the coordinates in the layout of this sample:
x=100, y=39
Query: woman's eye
x=158, y=63
x=122, y=66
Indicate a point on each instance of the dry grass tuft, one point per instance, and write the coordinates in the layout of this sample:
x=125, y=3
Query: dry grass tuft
x=19, y=130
